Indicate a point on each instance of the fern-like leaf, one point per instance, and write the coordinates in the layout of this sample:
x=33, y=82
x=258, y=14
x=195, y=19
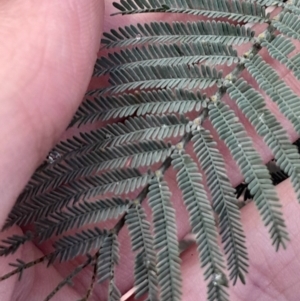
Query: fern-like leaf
x=180, y=76
x=108, y=259
x=294, y=65
x=201, y=216
x=80, y=215
x=154, y=102
x=144, y=153
x=119, y=181
x=131, y=130
x=165, y=240
x=153, y=70
x=224, y=203
x=279, y=48
x=114, y=293
x=141, y=154
x=270, y=2
x=235, y=10
x=293, y=6
x=267, y=78
x=178, y=32
x=288, y=24
x=20, y=266
x=252, y=105
x=72, y=246
x=145, y=261
x=252, y=168
x=12, y=243
x=163, y=55
x=109, y=256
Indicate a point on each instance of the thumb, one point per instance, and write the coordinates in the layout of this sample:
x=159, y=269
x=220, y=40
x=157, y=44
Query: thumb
x=47, y=54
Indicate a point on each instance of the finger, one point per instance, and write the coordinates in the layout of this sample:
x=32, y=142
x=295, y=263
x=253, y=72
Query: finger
x=48, y=49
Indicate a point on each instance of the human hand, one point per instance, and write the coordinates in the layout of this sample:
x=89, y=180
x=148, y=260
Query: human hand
x=32, y=132
x=47, y=54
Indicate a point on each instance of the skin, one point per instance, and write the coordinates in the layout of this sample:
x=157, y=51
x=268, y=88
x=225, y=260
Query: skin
x=47, y=53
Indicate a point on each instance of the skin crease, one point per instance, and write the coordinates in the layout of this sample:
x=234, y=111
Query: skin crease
x=48, y=48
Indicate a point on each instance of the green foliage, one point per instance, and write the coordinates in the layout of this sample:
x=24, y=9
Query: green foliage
x=153, y=102
x=163, y=81
x=145, y=260
x=235, y=10
x=223, y=203
x=201, y=220
x=80, y=215
x=276, y=89
x=294, y=6
x=252, y=104
x=167, y=55
x=279, y=48
x=161, y=32
x=133, y=129
x=13, y=243
x=118, y=181
x=71, y=246
x=165, y=239
x=253, y=170
x=288, y=24
x=148, y=77
x=109, y=257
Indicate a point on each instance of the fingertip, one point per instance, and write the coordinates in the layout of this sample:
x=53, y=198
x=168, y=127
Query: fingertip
x=48, y=50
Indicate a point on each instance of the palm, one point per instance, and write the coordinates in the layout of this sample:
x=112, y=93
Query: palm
x=271, y=275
